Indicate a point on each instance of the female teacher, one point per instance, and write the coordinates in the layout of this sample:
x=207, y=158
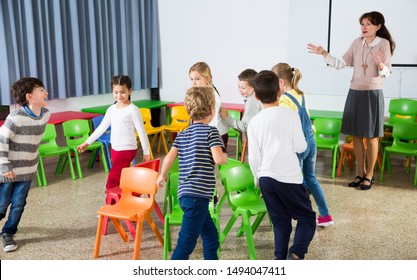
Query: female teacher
x=363, y=115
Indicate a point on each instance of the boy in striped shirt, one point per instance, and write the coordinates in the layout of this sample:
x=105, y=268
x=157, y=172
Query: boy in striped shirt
x=20, y=136
x=199, y=148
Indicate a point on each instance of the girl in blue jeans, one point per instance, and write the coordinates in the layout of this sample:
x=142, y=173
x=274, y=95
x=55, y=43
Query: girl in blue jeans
x=292, y=97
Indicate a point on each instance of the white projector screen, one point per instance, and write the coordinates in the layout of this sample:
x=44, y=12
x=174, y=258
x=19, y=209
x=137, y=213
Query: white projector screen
x=400, y=19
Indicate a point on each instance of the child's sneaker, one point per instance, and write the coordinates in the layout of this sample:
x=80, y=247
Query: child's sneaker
x=325, y=221
x=9, y=245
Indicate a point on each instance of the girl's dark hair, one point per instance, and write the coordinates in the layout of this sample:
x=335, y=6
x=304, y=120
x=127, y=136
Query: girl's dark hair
x=121, y=80
x=376, y=18
x=23, y=86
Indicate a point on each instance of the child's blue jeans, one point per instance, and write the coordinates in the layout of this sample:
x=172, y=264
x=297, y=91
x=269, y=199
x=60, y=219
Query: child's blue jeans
x=14, y=193
x=308, y=166
x=195, y=222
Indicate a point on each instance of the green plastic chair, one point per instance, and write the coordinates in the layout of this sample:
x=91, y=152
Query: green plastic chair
x=327, y=137
x=167, y=199
x=234, y=133
x=244, y=201
x=405, y=143
x=400, y=110
x=49, y=148
x=174, y=216
x=76, y=132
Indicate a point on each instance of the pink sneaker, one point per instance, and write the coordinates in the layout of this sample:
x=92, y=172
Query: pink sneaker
x=325, y=221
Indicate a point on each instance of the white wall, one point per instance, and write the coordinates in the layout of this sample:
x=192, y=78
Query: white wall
x=233, y=35
x=229, y=35
x=326, y=87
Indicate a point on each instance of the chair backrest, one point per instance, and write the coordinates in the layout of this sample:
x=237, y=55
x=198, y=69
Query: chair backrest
x=138, y=180
x=76, y=131
x=175, y=167
x=230, y=163
x=180, y=116
x=327, y=130
x=152, y=164
x=173, y=188
x=403, y=110
x=239, y=185
x=235, y=114
x=146, y=117
x=97, y=121
x=405, y=135
x=49, y=137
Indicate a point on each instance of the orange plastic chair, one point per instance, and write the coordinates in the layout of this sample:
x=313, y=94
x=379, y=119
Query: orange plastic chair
x=151, y=130
x=131, y=207
x=180, y=121
x=347, y=151
x=113, y=195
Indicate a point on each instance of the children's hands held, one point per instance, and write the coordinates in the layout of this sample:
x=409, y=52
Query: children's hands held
x=81, y=148
x=161, y=181
x=9, y=175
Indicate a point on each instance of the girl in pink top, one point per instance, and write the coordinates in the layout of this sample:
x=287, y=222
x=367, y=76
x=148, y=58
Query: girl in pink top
x=363, y=116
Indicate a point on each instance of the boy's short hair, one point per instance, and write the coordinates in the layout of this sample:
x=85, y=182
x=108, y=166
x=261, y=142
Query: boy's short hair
x=266, y=86
x=247, y=76
x=199, y=102
x=23, y=86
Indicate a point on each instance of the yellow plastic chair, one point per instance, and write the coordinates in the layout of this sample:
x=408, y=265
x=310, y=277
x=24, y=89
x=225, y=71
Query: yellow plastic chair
x=76, y=132
x=130, y=207
x=405, y=143
x=155, y=131
x=244, y=201
x=327, y=137
x=234, y=133
x=180, y=120
x=49, y=148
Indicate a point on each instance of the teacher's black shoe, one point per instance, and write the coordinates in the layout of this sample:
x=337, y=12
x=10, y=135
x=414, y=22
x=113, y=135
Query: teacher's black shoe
x=356, y=182
x=367, y=187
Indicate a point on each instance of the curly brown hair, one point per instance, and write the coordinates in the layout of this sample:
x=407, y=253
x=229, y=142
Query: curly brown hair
x=23, y=86
x=199, y=102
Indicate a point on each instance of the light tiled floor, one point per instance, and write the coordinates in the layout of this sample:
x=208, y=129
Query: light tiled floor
x=60, y=221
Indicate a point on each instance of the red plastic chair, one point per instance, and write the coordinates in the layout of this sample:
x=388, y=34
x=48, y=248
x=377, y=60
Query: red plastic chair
x=113, y=195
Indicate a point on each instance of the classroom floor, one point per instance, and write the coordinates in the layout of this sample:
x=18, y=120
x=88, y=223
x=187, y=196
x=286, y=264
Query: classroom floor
x=60, y=221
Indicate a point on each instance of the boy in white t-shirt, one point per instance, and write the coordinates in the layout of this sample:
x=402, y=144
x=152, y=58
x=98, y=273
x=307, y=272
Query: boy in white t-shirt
x=275, y=136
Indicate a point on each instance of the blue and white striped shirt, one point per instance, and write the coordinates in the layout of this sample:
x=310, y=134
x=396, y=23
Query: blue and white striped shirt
x=195, y=159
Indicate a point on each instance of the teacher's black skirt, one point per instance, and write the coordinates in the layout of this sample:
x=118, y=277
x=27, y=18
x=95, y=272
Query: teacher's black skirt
x=363, y=115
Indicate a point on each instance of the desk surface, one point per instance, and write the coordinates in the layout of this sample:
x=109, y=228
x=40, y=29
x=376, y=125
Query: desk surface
x=151, y=104
x=227, y=106
x=314, y=114
x=60, y=117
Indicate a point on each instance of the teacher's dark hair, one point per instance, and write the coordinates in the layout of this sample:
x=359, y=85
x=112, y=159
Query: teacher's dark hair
x=376, y=18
